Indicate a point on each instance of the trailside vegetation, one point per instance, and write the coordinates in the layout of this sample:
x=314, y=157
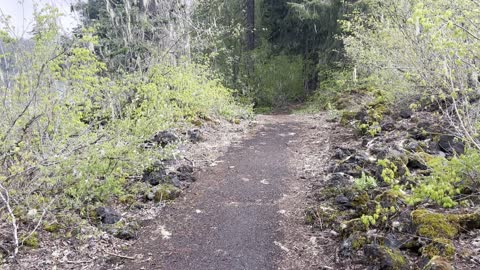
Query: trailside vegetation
x=78, y=123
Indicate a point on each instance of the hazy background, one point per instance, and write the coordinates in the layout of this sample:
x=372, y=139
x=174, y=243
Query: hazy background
x=21, y=13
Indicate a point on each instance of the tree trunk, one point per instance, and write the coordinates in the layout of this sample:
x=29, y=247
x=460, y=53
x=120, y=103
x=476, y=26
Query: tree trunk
x=250, y=9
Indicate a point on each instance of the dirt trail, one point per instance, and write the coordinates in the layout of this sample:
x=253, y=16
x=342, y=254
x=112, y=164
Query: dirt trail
x=244, y=212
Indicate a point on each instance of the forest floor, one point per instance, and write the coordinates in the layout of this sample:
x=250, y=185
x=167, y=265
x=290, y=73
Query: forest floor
x=246, y=211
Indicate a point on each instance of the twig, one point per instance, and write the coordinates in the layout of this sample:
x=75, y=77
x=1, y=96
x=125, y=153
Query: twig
x=119, y=255
x=76, y=262
x=6, y=199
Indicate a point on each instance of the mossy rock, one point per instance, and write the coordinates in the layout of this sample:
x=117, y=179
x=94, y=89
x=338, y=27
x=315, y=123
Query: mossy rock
x=434, y=225
x=328, y=193
x=360, y=199
x=124, y=230
x=439, y=247
x=360, y=202
x=355, y=242
x=236, y=121
x=310, y=216
x=438, y=263
x=166, y=193
x=385, y=257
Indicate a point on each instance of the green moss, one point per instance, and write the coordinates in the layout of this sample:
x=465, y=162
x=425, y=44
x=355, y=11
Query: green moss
x=385, y=257
x=31, y=241
x=439, y=247
x=166, y=193
x=360, y=200
x=197, y=122
x=127, y=199
x=466, y=221
x=359, y=241
x=343, y=103
x=51, y=227
x=434, y=225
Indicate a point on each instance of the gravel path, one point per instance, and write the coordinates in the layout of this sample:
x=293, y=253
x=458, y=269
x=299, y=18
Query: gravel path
x=237, y=215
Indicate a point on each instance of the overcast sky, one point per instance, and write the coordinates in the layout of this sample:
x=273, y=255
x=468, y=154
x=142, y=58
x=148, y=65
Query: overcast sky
x=21, y=13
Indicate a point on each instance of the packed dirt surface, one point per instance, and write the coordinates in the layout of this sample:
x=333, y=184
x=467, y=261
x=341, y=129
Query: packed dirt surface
x=246, y=209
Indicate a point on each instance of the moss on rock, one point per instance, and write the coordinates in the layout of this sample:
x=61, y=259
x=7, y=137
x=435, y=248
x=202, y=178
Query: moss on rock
x=434, y=225
x=437, y=226
x=388, y=199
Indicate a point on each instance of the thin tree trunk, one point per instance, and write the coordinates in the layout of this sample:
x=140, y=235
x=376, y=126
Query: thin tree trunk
x=250, y=24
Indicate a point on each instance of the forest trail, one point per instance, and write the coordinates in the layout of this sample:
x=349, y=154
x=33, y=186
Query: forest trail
x=244, y=212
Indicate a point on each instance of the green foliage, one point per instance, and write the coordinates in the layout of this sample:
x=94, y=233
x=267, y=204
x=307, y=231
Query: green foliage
x=447, y=179
x=380, y=215
x=334, y=85
x=279, y=80
x=31, y=240
x=371, y=129
x=365, y=182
